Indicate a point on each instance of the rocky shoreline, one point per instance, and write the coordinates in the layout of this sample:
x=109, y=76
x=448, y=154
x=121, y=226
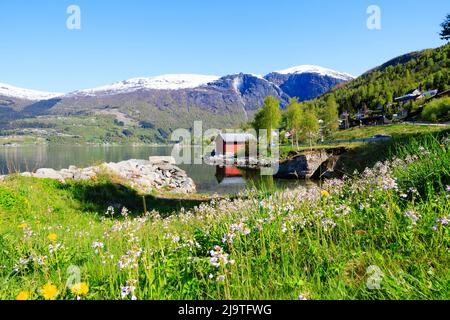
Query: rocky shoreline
x=315, y=164
x=155, y=174
x=308, y=164
x=242, y=162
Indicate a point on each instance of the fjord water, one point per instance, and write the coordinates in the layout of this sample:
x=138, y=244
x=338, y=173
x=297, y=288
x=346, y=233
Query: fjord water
x=209, y=179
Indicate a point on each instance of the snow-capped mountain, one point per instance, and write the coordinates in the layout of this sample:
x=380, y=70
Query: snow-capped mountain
x=307, y=82
x=292, y=80
x=164, y=82
x=7, y=90
x=249, y=89
x=317, y=70
x=167, y=102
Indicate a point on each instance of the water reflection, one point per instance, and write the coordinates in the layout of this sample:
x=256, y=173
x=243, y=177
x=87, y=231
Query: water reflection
x=209, y=179
x=228, y=176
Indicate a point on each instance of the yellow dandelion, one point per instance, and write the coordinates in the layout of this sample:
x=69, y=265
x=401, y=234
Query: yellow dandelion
x=80, y=289
x=49, y=291
x=22, y=226
x=23, y=295
x=52, y=237
x=325, y=194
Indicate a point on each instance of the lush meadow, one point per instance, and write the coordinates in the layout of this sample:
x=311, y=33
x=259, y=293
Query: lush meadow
x=380, y=234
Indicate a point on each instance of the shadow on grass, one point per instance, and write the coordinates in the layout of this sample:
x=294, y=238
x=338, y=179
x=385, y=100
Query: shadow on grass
x=366, y=156
x=98, y=196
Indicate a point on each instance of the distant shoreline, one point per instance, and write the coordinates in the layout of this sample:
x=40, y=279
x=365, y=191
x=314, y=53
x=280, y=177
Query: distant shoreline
x=84, y=144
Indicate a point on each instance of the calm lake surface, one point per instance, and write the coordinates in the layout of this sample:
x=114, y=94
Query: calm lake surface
x=209, y=179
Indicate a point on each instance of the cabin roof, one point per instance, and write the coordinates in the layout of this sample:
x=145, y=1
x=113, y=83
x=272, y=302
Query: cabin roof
x=236, y=137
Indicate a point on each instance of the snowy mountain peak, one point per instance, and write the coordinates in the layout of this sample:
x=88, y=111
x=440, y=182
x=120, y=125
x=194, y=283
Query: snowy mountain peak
x=186, y=81
x=316, y=69
x=164, y=82
x=26, y=94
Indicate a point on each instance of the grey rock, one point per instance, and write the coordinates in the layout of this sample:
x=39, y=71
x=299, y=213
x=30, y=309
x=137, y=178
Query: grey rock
x=160, y=159
x=142, y=175
x=46, y=173
x=302, y=166
x=67, y=174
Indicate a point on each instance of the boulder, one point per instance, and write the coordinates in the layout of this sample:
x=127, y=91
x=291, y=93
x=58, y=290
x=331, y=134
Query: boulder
x=86, y=174
x=302, y=166
x=327, y=169
x=160, y=159
x=46, y=173
x=67, y=174
x=143, y=175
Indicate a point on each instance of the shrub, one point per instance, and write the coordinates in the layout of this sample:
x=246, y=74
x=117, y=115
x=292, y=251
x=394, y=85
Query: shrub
x=8, y=199
x=437, y=110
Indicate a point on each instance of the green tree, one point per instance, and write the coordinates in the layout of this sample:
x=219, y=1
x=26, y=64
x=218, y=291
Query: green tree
x=293, y=115
x=330, y=115
x=244, y=126
x=445, y=33
x=268, y=117
x=309, y=125
x=437, y=110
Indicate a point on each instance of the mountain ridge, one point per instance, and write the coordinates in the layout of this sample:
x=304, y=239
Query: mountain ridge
x=161, y=82
x=162, y=104
x=8, y=90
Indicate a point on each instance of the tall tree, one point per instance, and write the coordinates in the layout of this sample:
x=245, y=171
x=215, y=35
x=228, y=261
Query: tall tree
x=445, y=33
x=293, y=115
x=268, y=117
x=330, y=115
x=309, y=125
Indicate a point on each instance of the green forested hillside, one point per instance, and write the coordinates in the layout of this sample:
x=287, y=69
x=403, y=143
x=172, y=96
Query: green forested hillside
x=428, y=69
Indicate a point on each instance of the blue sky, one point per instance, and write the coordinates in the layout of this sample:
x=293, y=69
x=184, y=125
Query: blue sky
x=124, y=39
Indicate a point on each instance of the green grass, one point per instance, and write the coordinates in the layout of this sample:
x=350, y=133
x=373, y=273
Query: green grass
x=78, y=130
x=395, y=130
x=299, y=241
x=21, y=140
x=287, y=151
x=367, y=154
x=360, y=155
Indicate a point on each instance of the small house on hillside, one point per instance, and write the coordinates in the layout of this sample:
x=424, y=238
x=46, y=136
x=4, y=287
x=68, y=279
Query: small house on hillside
x=428, y=94
x=411, y=95
x=231, y=143
x=415, y=95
